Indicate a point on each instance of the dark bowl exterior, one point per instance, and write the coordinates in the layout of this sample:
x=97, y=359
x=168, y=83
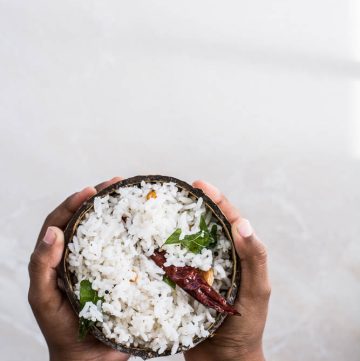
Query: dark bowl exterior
x=68, y=278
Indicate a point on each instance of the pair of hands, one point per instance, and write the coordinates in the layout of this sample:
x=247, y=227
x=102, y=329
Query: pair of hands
x=239, y=338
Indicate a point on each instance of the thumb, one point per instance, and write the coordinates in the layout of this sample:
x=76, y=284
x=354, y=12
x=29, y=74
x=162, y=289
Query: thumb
x=43, y=291
x=253, y=256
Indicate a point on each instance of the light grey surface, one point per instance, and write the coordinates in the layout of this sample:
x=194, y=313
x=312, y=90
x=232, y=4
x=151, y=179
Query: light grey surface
x=259, y=97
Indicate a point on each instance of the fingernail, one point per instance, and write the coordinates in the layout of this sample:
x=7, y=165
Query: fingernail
x=50, y=236
x=245, y=229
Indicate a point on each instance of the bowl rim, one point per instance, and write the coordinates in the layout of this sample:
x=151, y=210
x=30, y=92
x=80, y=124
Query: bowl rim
x=71, y=227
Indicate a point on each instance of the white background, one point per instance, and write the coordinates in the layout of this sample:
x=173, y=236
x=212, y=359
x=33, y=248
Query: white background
x=259, y=97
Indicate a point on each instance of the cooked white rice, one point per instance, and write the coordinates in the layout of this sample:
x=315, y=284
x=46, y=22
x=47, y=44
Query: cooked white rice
x=111, y=249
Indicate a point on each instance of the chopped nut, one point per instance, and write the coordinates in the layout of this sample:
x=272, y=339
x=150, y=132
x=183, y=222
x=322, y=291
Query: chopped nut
x=208, y=276
x=135, y=278
x=151, y=194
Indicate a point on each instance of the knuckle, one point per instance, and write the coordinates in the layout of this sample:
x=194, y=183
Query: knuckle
x=49, y=217
x=34, y=261
x=35, y=264
x=31, y=264
x=39, y=303
x=220, y=198
x=261, y=294
x=267, y=292
x=31, y=298
x=261, y=253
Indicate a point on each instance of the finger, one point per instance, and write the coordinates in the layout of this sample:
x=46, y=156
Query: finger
x=61, y=215
x=231, y=213
x=253, y=256
x=44, y=292
x=108, y=183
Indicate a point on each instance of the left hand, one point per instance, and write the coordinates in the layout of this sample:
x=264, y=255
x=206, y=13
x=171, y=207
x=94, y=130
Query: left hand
x=58, y=322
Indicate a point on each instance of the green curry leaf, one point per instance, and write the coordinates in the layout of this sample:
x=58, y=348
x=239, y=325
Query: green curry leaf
x=169, y=281
x=202, y=224
x=214, y=237
x=84, y=327
x=197, y=241
x=87, y=294
x=174, y=238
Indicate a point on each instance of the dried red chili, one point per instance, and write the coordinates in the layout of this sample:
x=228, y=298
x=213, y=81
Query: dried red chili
x=191, y=281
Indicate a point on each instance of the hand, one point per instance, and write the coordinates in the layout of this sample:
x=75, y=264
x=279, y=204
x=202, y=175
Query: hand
x=53, y=312
x=239, y=338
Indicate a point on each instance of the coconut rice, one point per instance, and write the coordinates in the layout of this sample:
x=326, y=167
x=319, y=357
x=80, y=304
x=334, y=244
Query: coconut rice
x=111, y=249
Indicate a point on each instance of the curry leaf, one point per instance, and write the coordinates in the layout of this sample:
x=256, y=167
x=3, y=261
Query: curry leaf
x=214, y=237
x=87, y=294
x=84, y=327
x=174, y=238
x=169, y=281
x=202, y=224
x=197, y=241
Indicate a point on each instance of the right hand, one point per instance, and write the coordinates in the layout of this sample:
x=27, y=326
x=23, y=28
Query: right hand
x=240, y=337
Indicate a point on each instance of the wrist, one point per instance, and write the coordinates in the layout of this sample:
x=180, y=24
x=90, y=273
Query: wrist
x=257, y=355
x=109, y=355
x=68, y=356
x=234, y=354
x=64, y=357
x=243, y=354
